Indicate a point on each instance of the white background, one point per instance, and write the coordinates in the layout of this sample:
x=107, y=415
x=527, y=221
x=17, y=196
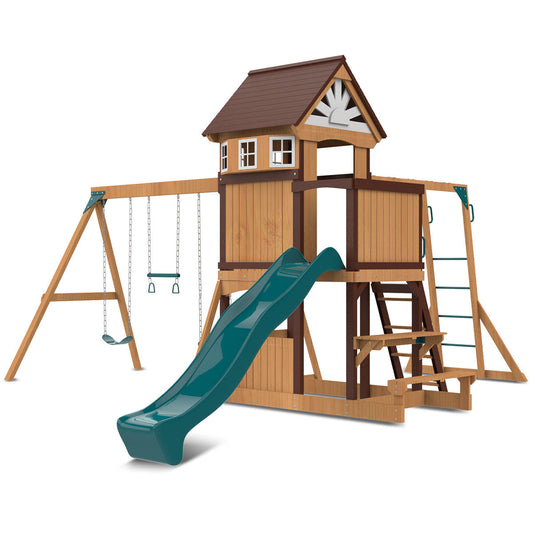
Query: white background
x=96, y=93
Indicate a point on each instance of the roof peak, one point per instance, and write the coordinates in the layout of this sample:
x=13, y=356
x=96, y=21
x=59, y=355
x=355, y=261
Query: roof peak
x=300, y=64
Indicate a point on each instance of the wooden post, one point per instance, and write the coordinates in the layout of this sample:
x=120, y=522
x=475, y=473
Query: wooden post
x=308, y=171
x=351, y=332
x=295, y=330
x=416, y=361
x=48, y=294
x=364, y=323
x=473, y=290
x=430, y=269
x=118, y=285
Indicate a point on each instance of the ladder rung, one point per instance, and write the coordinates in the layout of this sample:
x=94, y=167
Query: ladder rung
x=395, y=299
x=455, y=316
x=450, y=259
x=459, y=345
x=398, y=354
x=453, y=288
x=409, y=328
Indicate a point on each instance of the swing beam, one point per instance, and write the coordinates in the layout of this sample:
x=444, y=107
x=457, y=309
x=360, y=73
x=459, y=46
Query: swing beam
x=162, y=188
x=111, y=192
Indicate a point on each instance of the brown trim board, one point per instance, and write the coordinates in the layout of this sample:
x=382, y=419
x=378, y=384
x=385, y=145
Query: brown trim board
x=257, y=177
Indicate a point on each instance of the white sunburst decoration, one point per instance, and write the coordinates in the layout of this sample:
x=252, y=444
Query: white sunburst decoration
x=338, y=110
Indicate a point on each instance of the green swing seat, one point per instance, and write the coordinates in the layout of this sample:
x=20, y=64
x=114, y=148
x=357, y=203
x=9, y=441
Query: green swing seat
x=110, y=340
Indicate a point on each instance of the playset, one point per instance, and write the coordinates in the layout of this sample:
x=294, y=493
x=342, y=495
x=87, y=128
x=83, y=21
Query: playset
x=269, y=133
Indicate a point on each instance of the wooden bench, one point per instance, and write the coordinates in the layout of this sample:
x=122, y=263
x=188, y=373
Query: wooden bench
x=366, y=343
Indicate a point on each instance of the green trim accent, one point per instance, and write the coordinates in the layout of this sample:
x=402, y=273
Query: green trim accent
x=461, y=191
x=152, y=275
x=455, y=316
x=95, y=197
x=459, y=345
x=450, y=259
x=431, y=214
x=420, y=340
x=454, y=288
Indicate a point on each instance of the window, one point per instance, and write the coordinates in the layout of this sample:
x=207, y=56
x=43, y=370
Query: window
x=223, y=157
x=247, y=153
x=282, y=151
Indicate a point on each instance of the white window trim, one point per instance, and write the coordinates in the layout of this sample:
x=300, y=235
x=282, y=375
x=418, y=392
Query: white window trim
x=222, y=169
x=270, y=158
x=241, y=167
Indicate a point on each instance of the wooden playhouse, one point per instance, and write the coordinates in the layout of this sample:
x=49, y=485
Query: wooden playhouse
x=269, y=133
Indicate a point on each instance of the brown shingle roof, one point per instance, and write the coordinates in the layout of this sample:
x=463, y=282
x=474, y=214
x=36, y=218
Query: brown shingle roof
x=279, y=96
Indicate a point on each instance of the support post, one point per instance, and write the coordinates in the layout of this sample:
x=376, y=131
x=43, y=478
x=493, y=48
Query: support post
x=473, y=290
x=416, y=361
x=41, y=310
x=351, y=332
x=295, y=327
x=364, y=329
x=118, y=285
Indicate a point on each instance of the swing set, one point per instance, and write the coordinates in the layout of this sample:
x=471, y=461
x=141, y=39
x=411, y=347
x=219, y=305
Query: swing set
x=97, y=204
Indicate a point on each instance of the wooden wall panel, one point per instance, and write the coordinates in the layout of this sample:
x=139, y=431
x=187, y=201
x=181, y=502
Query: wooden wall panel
x=272, y=369
x=388, y=227
x=258, y=221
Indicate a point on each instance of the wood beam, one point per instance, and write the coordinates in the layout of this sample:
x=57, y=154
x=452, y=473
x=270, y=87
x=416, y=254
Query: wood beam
x=162, y=188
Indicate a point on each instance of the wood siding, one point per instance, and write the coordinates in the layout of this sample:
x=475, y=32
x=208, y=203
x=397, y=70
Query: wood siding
x=272, y=369
x=388, y=227
x=258, y=221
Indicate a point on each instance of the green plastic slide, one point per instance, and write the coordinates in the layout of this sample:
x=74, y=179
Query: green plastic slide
x=157, y=432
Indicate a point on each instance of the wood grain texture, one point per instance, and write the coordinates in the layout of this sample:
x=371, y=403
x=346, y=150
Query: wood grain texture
x=388, y=227
x=162, y=188
x=272, y=366
x=45, y=300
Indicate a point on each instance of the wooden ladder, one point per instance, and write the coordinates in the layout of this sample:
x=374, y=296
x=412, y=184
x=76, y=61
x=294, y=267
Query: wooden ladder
x=412, y=291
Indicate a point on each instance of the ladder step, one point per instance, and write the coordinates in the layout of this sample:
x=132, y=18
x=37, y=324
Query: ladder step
x=453, y=288
x=409, y=328
x=395, y=299
x=450, y=259
x=432, y=383
x=459, y=345
x=455, y=316
x=398, y=354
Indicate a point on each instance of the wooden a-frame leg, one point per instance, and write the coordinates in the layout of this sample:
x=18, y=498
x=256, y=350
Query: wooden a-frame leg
x=473, y=291
x=211, y=314
x=118, y=285
x=48, y=294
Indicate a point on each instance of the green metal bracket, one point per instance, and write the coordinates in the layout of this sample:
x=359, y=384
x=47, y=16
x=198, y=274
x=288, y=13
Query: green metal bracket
x=461, y=191
x=420, y=340
x=95, y=197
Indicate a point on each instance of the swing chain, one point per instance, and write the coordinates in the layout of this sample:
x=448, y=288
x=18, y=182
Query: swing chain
x=175, y=287
x=199, y=230
x=104, y=271
x=130, y=246
x=151, y=286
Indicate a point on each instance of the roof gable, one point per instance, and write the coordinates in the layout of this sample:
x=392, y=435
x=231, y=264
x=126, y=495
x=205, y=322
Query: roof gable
x=281, y=96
